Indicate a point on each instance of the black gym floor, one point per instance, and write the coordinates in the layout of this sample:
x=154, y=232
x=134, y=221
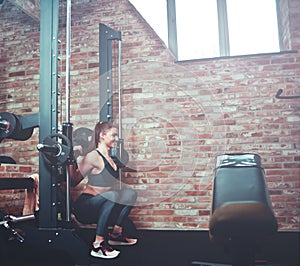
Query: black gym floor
x=164, y=248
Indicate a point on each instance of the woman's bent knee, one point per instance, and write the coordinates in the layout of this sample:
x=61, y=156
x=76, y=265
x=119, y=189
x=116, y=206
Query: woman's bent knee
x=128, y=196
x=112, y=196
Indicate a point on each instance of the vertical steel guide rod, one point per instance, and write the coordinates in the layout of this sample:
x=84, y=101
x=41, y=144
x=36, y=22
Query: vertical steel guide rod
x=120, y=110
x=68, y=40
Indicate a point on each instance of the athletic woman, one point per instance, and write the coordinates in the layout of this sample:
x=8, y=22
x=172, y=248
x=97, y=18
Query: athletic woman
x=101, y=199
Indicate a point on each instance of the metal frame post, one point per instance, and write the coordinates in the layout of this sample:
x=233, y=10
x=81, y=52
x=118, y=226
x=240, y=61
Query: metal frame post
x=48, y=107
x=107, y=35
x=67, y=125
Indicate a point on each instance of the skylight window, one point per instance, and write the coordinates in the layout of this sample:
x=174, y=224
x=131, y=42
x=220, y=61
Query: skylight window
x=213, y=28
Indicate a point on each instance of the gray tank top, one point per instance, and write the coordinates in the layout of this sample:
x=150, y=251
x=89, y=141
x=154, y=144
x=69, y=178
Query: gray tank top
x=106, y=178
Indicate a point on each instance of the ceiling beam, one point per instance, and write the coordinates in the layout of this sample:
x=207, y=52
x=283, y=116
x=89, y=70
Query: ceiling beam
x=30, y=7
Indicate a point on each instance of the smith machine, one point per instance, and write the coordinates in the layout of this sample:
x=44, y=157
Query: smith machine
x=241, y=214
x=53, y=226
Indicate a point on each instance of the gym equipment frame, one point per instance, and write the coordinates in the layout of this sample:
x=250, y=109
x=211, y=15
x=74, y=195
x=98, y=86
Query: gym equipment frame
x=51, y=231
x=54, y=228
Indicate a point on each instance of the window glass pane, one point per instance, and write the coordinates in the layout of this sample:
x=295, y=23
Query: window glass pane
x=155, y=13
x=252, y=26
x=197, y=29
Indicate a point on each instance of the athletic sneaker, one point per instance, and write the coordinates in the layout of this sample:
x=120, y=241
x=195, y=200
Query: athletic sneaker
x=119, y=240
x=104, y=251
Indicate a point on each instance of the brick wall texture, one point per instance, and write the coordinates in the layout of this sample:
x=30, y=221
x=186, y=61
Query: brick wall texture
x=12, y=201
x=176, y=116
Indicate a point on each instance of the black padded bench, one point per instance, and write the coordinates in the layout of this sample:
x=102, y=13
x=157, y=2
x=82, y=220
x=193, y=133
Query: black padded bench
x=16, y=183
x=241, y=214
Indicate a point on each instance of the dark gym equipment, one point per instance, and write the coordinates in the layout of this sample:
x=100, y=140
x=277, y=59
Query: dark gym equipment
x=16, y=183
x=53, y=228
x=56, y=149
x=14, y=234
x=279, y=96
x=107, y=35
x=50, y=231
x=82, y=137
x=7, y=160
x=16, y=127
x=241, y=216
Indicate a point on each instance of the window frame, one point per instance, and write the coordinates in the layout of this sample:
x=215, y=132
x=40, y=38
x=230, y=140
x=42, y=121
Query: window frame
x=223, y=30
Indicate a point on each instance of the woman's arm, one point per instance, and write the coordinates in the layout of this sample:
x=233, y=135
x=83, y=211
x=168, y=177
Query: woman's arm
x=75, y=174
x=90, y=163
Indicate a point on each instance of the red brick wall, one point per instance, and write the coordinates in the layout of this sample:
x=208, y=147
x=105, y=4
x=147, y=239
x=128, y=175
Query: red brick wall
x=12, y=201
x=177, y=117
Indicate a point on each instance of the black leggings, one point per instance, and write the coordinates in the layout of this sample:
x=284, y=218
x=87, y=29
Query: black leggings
x=99, y=209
